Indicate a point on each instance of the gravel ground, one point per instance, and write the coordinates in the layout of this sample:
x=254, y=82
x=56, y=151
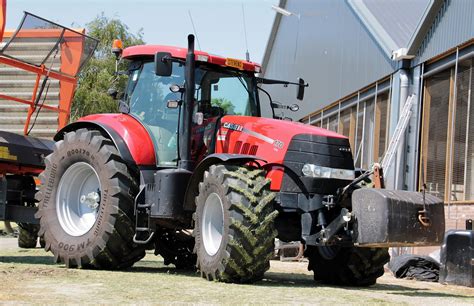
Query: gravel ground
x=30, y=277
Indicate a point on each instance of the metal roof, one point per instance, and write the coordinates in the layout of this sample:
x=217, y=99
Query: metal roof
x=392, y=23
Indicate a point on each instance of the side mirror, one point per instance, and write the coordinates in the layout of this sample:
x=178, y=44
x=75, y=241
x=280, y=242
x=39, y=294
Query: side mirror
x=163, y=65
x=300, y=89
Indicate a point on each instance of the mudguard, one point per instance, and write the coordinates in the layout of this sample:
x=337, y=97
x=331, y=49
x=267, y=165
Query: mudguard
x=128, y=135
x=192, y=189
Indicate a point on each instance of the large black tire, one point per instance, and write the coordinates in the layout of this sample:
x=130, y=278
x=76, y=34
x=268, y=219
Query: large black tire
x=108, y=244
x=350, y=266
x=176, y=248
x=248, y=233
x=27, y=236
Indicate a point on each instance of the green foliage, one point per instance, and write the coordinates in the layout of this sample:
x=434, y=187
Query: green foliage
x=98, y=75
x=225, y=104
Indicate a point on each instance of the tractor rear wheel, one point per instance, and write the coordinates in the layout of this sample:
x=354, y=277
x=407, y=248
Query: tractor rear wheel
x=234, y=224
x=347, y=266
x=86, y=204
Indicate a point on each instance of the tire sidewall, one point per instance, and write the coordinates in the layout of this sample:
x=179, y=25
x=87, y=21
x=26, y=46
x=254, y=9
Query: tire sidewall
x=61, y=243
x=209, y=263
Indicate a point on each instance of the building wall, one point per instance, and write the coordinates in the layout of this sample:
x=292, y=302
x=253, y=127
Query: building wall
x=331, y=50
x=453, y=26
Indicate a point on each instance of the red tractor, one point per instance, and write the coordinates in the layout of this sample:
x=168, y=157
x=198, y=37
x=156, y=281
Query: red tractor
x=191, y=169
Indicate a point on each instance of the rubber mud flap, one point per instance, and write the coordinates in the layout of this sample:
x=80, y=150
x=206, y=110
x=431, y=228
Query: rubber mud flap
x=388, y=218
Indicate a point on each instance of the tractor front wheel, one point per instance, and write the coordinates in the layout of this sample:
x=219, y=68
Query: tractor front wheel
x=234, y=229
x=86, y=204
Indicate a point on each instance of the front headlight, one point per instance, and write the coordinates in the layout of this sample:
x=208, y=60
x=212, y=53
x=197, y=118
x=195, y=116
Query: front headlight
x=310, y=170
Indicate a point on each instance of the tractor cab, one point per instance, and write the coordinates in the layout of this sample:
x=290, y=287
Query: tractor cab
x=156, y=100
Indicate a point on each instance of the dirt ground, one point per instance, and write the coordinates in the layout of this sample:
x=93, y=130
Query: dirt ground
x=29, y=276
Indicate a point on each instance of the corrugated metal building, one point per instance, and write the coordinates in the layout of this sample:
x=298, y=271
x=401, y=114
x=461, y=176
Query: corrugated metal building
x=362, y=59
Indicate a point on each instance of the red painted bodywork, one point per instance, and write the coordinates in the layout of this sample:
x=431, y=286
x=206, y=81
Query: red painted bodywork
x=151, y=50
x=133, y=133
x=272, y=147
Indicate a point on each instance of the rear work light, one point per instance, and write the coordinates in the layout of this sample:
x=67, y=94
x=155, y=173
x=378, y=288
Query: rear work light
x=310, y=170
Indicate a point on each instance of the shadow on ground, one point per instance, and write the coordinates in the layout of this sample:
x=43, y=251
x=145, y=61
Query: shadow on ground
x=271, y=279
x=27, y=259
x=275, y=279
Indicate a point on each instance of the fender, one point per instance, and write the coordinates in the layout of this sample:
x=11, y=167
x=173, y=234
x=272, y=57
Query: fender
x=192, y=189
x=128, y=135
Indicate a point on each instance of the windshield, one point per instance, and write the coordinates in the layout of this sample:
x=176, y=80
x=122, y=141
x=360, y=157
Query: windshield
x=227, y=92
x=147, y=95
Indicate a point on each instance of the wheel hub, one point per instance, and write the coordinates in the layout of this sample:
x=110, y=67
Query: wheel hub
x=92, y=200
x=212, y=224
x=78, y=199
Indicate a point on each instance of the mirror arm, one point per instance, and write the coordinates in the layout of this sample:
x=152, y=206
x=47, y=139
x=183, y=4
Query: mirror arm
x=270, y=81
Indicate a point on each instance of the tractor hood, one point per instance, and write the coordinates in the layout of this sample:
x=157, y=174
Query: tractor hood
x=263, y=137
x=287, y=147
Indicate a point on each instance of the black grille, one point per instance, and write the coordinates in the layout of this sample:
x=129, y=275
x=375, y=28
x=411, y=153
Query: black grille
x=317, y=150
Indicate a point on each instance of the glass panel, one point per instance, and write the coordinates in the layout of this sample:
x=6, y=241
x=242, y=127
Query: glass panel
x=359, y=143
x=462, y=155
x=317, y=122
x=469, y=174
x=345, y=122
x=147, y=96
x=438, y=92
x=382, y=122
x=333, y=124
x=368, y=142
x=225, y=92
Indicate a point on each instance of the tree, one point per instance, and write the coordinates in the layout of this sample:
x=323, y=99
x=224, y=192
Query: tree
x=99, y=74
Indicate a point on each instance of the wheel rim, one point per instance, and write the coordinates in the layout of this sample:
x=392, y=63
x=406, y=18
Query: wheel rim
x=212, y=223
x=78, y=199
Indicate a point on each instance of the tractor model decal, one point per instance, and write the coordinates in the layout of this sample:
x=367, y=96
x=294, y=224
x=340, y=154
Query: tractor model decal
x=239, y=128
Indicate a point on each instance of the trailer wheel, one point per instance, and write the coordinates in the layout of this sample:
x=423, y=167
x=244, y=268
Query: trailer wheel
x=234, y=229
x=86, y=204
x=21, y=191
x=350, y=266
x=27, y=236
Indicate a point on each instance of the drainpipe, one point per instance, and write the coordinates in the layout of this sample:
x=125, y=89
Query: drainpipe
x=400, y=164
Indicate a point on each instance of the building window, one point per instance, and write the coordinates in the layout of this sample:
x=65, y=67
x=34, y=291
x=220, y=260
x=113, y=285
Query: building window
x=448, y=134
x=333, y=123
x=381, y=127
x=365, y=123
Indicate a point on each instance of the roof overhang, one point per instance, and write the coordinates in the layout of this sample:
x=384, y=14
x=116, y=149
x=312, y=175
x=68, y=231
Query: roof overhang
x=423, y=27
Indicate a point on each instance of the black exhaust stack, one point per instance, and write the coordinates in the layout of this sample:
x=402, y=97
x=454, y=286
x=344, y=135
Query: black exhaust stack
x=185, y=161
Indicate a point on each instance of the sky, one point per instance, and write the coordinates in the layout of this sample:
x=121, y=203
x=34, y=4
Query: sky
x=219, y=24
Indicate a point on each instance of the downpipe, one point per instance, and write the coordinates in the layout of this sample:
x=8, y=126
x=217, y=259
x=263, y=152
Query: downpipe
x=400, y=161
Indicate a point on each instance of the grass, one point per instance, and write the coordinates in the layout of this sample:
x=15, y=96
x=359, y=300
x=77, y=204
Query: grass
x=29, y=276
x=3, y=231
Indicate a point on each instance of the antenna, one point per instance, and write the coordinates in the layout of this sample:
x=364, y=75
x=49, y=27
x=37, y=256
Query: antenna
x=247, y=54
x=194, y=29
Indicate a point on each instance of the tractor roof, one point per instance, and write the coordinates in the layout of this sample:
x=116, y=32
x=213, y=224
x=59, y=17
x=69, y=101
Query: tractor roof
x=151, y=50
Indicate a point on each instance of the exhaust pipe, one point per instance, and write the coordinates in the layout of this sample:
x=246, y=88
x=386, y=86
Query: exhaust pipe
x=185, y=161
